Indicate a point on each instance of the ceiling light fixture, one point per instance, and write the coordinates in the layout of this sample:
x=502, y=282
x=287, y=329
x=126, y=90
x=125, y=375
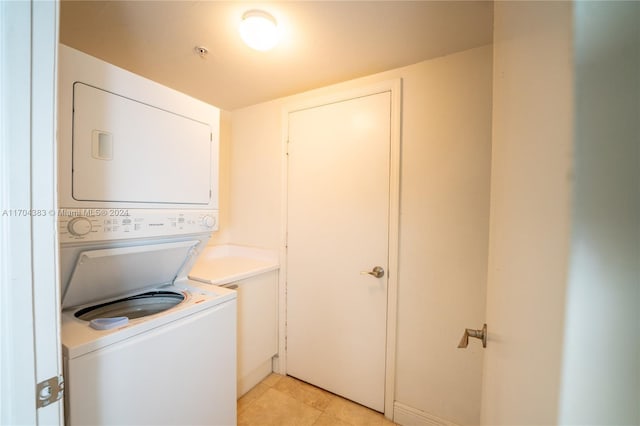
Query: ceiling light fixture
x=259, y=30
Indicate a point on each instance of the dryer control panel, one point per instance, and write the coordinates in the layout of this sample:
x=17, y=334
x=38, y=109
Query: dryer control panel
x=79, y=225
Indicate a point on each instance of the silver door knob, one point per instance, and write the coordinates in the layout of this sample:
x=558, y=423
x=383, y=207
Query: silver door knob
x=376, y=272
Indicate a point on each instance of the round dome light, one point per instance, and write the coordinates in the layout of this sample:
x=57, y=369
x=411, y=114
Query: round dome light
x=259, y=30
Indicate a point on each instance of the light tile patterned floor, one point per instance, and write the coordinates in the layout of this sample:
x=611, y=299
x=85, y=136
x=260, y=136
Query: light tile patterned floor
x=284, y=401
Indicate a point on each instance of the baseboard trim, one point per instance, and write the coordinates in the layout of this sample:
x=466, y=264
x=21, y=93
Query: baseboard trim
x=409, y=416
x=249, y=380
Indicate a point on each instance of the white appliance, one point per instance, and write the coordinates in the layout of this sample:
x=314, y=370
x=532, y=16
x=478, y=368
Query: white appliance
x=142, y=344
x=126, y=142
x=137, y=190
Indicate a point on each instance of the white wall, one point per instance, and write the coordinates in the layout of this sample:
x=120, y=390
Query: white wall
x=444, y=219
x=255, y=175
x=224, y=174
x=601, y=368
x=530, y=211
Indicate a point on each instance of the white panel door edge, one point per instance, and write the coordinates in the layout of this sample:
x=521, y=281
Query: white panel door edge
x=30, y=350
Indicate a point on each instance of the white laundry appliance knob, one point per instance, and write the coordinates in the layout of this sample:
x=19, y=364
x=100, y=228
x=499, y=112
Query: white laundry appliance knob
x=207, y=221
x=79, y=226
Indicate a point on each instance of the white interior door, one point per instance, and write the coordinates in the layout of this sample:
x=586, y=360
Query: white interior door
x=29, y=302
x=338, y=229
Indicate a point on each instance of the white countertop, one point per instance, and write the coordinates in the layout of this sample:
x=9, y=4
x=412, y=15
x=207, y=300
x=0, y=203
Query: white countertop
x=220, y=265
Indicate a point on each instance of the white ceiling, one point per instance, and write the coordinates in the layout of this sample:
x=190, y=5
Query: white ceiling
x=324, y=42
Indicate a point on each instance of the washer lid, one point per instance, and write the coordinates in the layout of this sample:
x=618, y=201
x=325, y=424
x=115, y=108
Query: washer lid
x=106, y=273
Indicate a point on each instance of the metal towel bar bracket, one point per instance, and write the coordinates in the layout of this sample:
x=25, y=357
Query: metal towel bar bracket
x=478, y=334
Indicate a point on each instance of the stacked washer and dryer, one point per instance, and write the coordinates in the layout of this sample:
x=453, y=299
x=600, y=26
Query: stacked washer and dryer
x=137, y=193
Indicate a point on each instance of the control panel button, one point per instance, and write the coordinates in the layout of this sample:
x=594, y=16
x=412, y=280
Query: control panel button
x=79, y=226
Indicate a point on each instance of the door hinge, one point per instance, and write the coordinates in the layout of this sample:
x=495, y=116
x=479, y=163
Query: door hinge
x=49, y=391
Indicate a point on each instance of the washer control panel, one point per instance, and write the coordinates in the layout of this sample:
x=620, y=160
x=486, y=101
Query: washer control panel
x=112, y=224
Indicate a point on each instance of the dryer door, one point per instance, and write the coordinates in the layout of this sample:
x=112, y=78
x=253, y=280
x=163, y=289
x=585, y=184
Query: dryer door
x=128, y=151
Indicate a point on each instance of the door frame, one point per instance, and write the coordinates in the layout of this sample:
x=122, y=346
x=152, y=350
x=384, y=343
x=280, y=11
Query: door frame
x=29, y=304
x=311, y=100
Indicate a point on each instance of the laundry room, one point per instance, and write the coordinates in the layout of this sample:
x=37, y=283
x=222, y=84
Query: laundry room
x=372, y=213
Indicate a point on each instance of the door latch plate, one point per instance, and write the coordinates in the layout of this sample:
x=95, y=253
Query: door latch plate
x=49, y=391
